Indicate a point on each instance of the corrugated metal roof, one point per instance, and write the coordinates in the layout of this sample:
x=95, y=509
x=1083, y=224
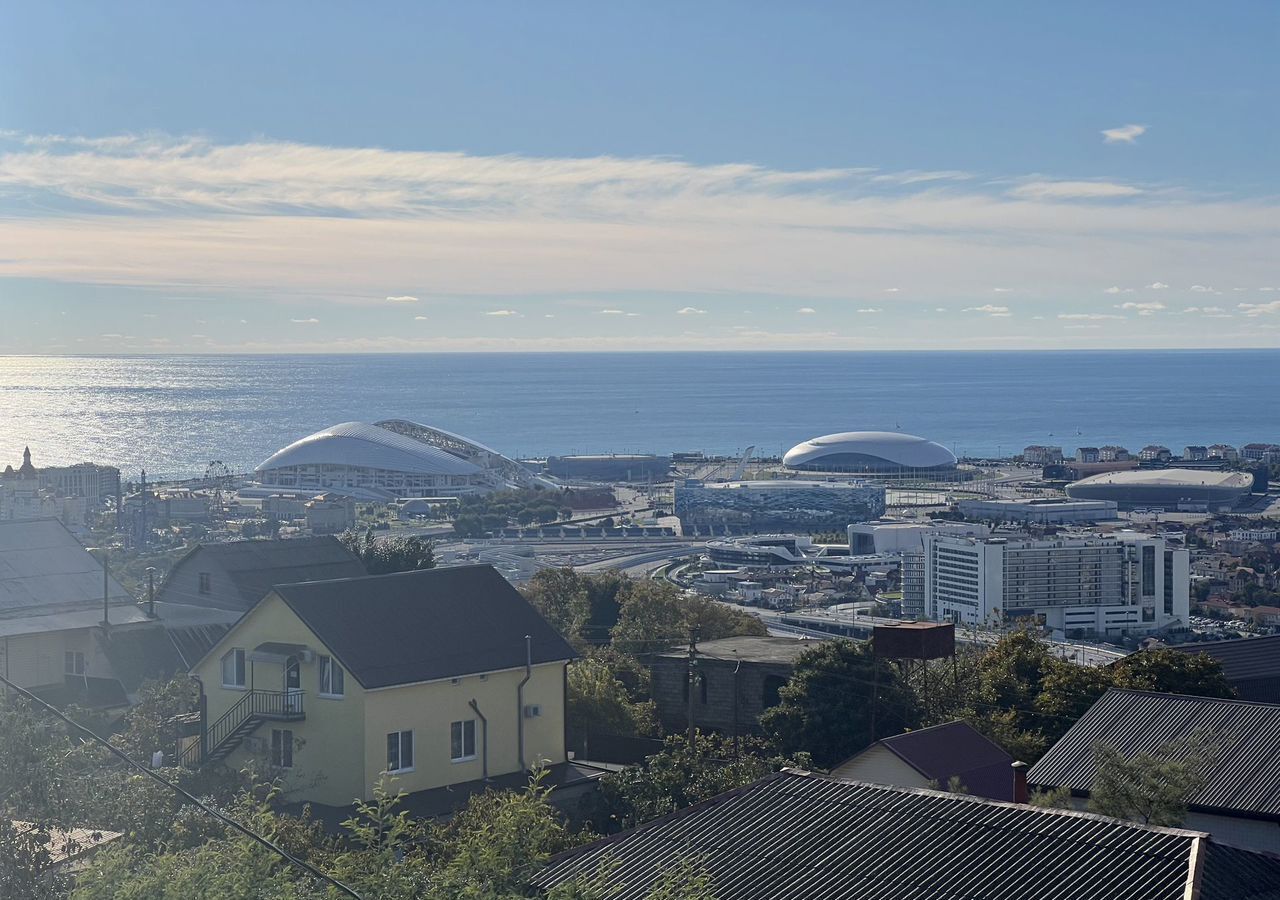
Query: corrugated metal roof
x=44, y=569
x=1242, y=659
x=798, y=836
x=1243, y=778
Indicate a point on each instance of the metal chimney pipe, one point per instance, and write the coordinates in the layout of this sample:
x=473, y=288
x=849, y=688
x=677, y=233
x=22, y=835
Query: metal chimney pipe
x=1020, y=794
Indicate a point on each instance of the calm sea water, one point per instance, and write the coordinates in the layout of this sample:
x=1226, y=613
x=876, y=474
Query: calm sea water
x=173, y=414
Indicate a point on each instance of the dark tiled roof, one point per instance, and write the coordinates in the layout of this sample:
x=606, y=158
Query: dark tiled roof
x=797, y=836
x=193, y=641
x=1243, y=778
x=256, y=567
x=956, y=749
x=422, y=626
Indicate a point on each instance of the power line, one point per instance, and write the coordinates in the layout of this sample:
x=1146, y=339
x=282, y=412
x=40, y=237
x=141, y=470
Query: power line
x=188, y=797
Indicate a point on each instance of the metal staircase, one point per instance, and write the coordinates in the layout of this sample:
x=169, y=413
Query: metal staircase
x=241, y=720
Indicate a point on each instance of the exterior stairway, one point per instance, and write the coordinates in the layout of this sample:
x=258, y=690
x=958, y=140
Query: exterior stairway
x=221, y=738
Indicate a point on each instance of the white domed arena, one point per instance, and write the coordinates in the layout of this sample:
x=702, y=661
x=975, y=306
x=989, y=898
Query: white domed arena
x=390, y=460
x=870, y=452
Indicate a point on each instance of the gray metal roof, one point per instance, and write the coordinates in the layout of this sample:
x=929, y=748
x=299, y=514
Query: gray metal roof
x=1243, y=778
x=751, y=648
x=1243, y=659
x=44, y=569
x=798, y=836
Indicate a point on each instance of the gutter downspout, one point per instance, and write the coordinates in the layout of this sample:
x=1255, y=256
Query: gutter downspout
x=484, y=736
x=528, y=673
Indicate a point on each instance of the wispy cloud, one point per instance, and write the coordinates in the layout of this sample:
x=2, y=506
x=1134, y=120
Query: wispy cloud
x=287, y=223
x=1148, y=308
x=419, y=318
x=1260, y=309
x=501, y=312
x=612, y=312
x=1157, y=286
x=405, y=298
x=1073, y=190
x=1000, y=290
x=1091, y=317
x=1125, y=134
x=806, y=310
x=1202, y=289
x=690, y=311
x=893, y=290
x=871, y=309
x=990, y=309
x=309, y=321
x=1116, y=289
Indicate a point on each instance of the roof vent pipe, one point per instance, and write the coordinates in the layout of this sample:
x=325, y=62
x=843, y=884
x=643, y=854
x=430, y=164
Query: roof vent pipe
x=528, y=673
x=1020, y=782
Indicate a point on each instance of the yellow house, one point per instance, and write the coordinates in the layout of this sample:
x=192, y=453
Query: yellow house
x=55, y=608
x=437, y=677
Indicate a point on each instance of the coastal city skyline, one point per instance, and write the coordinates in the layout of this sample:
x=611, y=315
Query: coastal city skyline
x=445, y=185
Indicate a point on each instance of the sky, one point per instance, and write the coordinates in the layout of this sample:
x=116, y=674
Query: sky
x=323, y=176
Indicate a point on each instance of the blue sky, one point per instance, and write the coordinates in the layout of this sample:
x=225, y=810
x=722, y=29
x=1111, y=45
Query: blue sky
x=285, y=176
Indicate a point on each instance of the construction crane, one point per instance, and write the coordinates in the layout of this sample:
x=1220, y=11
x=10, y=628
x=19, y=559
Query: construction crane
x=742, y=463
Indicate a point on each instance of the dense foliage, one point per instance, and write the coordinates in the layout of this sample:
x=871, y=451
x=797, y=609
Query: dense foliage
x=481, y=513
x=386, y=555
x=1023, y=697
x=840, y=698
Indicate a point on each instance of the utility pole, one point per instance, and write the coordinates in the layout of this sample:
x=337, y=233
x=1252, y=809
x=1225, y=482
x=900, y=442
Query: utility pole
x=693, y=679
x=151, y=592
x=106, y=589
x=142, y=528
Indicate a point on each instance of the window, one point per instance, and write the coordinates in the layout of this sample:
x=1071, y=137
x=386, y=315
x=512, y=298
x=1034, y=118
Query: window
x=400, y=751
x=282, y=748
x=462, y=740
x=332, y=678
x=1148, y=571
x=73, y=662
x=205, y=583
x=233, y=668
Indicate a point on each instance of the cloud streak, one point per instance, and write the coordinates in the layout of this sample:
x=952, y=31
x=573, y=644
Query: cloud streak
x=1125, y=134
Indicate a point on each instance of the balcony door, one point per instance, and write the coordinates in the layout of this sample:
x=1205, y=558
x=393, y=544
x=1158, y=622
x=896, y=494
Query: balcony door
x=293, y=684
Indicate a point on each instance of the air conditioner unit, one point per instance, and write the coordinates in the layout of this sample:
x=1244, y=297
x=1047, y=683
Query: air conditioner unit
x=306, y=655
x=533, y=711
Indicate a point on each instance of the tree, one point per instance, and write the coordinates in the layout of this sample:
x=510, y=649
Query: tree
x=1152, y=788
x=1172, y=671
x=653, y=616
x=838, y=689
x=598, y=703
x=561, y=596
x=681, y=775
x=407, y=553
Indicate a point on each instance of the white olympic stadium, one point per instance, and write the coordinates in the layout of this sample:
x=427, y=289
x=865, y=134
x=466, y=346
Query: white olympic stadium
x=870, y=452
x=389, y=460
x=1190, y=489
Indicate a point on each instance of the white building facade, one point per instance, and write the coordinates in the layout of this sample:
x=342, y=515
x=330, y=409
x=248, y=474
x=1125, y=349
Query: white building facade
x=1126, y=584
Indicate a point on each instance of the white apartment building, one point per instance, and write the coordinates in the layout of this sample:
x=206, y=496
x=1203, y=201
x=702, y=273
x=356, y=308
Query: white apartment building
x=1120, y=584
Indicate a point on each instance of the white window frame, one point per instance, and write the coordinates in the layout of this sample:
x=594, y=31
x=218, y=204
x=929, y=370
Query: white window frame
x=241, y=663
x=285, y=747
x=74, y=663
x=400, y=754
x=462, y=730
x=325, y=668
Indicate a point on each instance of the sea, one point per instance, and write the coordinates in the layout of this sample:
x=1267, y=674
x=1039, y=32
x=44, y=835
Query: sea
x=175, y=415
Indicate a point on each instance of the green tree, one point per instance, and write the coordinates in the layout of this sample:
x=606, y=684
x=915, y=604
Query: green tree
x=383, y=556
x=561, y=596
x=654, y=615
x=837, y=689
x=598, y=703
x=1151, y=788
x=681, y=775
x=26, y=863
x=1172, y=671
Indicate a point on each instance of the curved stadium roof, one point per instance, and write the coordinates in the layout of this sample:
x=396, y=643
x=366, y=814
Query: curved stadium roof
x=368, y=446
x=1163, y=485
x=868, y=451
